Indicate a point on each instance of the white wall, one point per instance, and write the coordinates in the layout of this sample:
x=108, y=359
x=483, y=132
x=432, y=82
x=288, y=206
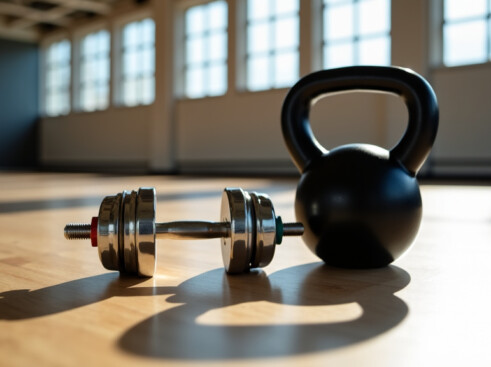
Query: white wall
x=241, y=130
x=117, y=137
x=464, y=140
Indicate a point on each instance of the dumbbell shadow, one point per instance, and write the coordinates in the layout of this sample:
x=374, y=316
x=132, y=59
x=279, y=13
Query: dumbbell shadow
x=179, y=334
x=26, y=304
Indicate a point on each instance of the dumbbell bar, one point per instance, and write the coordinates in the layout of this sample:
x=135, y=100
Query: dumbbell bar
x=125, y=231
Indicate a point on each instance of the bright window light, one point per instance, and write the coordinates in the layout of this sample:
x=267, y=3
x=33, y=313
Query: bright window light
x=206, y=50
x=138, y=63
x=466, y=32
x=57, y=79
x=94, y=71
x=460, y=10
x=356, y=32
x=272, y=43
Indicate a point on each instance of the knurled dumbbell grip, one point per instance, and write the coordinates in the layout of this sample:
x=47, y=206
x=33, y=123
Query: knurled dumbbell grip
x=204, y=229
x=192, y=230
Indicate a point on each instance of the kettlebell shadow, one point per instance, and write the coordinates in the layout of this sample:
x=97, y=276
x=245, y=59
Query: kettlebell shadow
x=179, y=333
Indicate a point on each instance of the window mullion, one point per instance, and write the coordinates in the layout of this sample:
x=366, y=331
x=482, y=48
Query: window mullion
x=134, y=51
x=477, y=46
x=348, y=46
x=55, y=87
x=200, y=68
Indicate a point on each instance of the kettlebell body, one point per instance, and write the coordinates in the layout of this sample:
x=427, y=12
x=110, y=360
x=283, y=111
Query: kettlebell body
x=360, y=204
x=354, y=200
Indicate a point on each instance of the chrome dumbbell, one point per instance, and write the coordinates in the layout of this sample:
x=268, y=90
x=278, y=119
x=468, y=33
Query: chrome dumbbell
x=125, y=231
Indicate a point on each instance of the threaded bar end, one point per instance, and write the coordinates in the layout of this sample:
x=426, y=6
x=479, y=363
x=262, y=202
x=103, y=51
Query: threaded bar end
x=293, y=229
x=77, y=231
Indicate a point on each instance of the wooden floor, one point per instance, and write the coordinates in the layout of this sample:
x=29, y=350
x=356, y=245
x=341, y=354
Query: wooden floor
x=59, y=307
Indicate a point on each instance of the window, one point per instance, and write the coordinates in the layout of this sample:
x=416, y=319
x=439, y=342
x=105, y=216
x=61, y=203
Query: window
x=206, y=50
x=94, y=71
x=57, y=79
x=138, y=63
x=272, y=55
x=356, y=32
x=466, y=32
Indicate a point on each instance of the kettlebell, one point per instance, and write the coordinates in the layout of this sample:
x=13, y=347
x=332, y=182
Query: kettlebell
x=360, y=204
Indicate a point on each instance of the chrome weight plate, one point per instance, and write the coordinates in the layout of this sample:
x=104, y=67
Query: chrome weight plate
x=145, y=231
x=265, y=230
x=237, y=250
x=129, y=233
x=108, y=232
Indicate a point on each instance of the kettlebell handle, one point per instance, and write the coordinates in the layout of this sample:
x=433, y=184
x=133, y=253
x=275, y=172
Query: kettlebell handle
x=415, y=145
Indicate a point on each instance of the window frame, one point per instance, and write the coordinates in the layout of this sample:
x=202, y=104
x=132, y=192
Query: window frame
x=357, y=38
x=44, y=46
x=77, y=40
x=117, y=59
x=437, y=57
x=180, y=38
x=243, y=52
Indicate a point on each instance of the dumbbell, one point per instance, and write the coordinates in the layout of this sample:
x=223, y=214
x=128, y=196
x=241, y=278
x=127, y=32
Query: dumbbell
x=125, y=231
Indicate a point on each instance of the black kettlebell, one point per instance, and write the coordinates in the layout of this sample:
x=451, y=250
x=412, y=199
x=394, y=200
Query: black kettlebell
x=360, y=204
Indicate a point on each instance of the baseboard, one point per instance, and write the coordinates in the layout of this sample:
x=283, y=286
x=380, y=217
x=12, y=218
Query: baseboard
x=133, y=168
x=471, y=168
x=252, y=168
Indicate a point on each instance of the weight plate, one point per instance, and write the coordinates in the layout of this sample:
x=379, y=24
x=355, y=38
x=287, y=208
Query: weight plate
x=265, y=230
x=237, y=250
x=108, y=232
x=129, y=233
x=145, y=231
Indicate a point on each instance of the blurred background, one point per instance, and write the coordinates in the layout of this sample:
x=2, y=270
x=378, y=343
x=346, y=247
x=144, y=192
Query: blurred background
x=195, y=86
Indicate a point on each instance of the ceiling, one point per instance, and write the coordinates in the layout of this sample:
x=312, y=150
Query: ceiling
x=28, y=19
